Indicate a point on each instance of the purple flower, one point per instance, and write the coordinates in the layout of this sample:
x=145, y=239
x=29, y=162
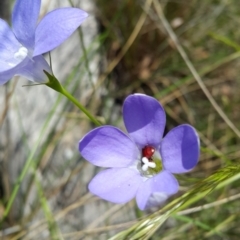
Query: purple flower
x=142, y=164
x=22, y=47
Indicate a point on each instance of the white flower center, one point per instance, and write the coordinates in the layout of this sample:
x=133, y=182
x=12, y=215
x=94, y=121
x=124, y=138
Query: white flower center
x=21, y=53
x=146, y=164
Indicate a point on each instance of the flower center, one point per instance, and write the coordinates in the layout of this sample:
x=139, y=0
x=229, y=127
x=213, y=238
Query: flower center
x=21, y=53
x=18, y=56
x=150, y=162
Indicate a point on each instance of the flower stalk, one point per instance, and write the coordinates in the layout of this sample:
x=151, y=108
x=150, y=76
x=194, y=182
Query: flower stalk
x=55, y=85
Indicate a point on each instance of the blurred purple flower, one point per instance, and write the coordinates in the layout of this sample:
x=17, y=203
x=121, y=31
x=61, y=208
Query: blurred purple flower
x=142, y=164
x=22, y=47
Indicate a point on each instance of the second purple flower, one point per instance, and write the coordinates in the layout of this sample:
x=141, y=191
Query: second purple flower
x=142, y=164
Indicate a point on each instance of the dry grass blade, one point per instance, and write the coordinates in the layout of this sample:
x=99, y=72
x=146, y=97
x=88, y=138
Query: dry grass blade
x=210, y=205
x=149, y=225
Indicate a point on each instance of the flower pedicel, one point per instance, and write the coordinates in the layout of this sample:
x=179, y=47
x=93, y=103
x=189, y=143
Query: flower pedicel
x=142, y=163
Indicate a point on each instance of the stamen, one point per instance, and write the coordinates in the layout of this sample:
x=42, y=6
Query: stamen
x=152, y=164
x=145, y=167
x=145, y=160
x=147, y=164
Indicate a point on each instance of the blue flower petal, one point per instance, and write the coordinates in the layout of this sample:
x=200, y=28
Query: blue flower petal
x=24, y=21
x=108, y=146
x=180, y=149
x=144, y=119
x=6, y=75
x=117, y=185
x=33, y=69
x=56, y=27
x=8, y=47
x=156, y=190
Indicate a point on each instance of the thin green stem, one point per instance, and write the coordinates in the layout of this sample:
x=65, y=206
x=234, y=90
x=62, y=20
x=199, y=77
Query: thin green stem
x=16, y=188
x=24, y=170
x=81, y=107
x=52, y=226
x=85, y=56
x=28, y=163
x=56, y=85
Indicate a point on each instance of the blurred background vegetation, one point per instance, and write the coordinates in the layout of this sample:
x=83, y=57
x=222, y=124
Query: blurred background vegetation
x=138, y=55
